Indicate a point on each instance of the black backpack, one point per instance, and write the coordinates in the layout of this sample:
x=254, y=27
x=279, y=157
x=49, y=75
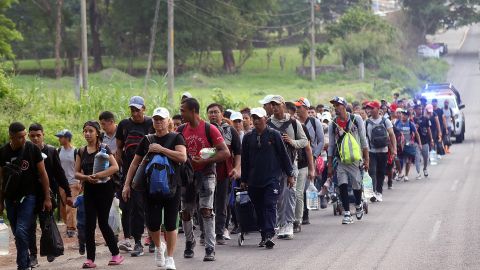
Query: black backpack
x=379, y=135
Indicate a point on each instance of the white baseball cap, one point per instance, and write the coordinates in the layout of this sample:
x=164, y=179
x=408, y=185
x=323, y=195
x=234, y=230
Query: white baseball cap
x=236, y=116
x=187, y=95
x=327, y=116
x=267, y=99
x=260, y=112
x=162, y=112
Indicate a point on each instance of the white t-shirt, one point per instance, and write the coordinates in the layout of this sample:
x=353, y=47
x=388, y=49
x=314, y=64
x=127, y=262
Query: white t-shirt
x=370, y=126
x=67, y=159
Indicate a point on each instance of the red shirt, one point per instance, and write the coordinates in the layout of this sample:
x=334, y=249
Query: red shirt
x=196, y=140
x=341, y=123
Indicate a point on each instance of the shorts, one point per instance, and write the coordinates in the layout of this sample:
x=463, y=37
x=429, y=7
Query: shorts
x=166, y=207
x=205, y=188
x=349, y=174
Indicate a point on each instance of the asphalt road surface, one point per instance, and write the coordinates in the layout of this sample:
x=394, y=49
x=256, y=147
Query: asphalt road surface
x=423, y=224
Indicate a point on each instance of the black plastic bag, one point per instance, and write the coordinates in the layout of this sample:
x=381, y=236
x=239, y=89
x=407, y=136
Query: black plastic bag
x=51, y=242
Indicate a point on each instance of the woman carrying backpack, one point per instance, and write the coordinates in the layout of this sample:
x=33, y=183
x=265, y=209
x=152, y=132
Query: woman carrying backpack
x=172, y=146
x=98, y=193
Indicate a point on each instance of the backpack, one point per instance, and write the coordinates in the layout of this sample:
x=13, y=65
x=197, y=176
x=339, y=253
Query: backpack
x=75, y=152
x=348, y=148
x=282, y=129
x=161, y=179
x=379, y=135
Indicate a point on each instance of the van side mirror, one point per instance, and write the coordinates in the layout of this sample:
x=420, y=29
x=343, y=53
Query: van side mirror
x=461, y=107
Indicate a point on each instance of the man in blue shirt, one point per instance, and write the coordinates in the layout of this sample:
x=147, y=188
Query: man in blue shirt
x=264, y=158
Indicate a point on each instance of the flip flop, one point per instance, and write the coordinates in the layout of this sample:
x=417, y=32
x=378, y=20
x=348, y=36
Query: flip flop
x=116, y=260
x=89, y=264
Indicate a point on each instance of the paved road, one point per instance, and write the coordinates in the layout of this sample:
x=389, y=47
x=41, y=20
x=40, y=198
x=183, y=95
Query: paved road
x=426, y=224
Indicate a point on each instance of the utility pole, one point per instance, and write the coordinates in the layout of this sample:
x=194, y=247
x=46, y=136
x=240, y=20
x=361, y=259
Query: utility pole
x=170, y=55
x=83, y=15
x=312, y=45
x=153, y=35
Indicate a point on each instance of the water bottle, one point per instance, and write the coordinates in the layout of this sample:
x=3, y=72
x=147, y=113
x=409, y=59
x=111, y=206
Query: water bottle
x=101, y=163
x=312, y=197
x=4, y=238
x=433, y=157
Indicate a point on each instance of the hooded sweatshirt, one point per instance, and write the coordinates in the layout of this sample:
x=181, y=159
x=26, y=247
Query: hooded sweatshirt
x=300, y=140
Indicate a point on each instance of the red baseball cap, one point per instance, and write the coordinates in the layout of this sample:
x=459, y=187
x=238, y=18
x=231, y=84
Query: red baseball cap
x=374, y=104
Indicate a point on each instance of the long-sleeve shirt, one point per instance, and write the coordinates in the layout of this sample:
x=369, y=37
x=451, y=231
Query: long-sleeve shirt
x=264, y=158
x=316, y=136
x=299, y=141
x=358, y=131
x=55, y=172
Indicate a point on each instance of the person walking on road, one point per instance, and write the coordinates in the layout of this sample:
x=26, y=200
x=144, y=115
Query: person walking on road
x=264, y=162
x=344, y=123
x=199, y=135
x=171, y=145
x=22, y=165
x=295, y=139
x=98, y=194
x=379, y=131
x=426, y=139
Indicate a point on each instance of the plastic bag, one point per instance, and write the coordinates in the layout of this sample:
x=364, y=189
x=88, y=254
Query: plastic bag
x=114, y=218
x=51, y=243
x=206, y=153
x=367, y=185
x=320, y=165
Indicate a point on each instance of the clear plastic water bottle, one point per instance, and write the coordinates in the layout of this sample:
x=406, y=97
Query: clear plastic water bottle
x=4, y=238
x=101, y=163
x=312, y=197
x=433, y=157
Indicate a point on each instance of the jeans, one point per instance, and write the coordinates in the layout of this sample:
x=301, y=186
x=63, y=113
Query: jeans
x=20, y=213
x=205, y=189
x=264, y=200
x=422, y=154
x=286, y=203
x=377, y=170
x=299, y=193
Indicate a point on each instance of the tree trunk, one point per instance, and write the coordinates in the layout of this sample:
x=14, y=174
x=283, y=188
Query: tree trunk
x=153, y=35
x=58, y=40
x=95, y=30
x=228, y=59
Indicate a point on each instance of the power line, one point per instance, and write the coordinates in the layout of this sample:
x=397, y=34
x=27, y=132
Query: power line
x=226, y=33
x=245, y=24
x=263, y=14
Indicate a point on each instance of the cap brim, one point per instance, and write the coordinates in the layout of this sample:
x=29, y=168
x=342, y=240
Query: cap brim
x=298, y=104
x=59, y=135
x=138, y=106
x=258, y=115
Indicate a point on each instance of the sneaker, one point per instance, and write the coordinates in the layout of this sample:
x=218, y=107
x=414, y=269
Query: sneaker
x=189, y=246
x=170, y=263
x=425, y=173
x=323, y=202
x=401, y=177
x=269, y=244
x=151, y=247
x=235, y=230
x=289, y=231
x=33, y=261
x=359, y=212
x=50, y=258
x=70, y=233
x=137, y=250
x=116, y=260
x=220, y=240
x=297, y=227
x=373, y=198
x=202, y=240
x=262, y=242
x=419, y=177
x=81, y=249
x=379, y=197
x=226, y=234
x=160, y=255
x=209, y=255
x=306, y=221
x=347, y=218
x=405, y=178
x=281, y=232
x=125, y=245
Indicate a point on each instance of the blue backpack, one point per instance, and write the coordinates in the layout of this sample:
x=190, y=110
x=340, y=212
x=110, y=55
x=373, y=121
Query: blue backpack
x=162, y=182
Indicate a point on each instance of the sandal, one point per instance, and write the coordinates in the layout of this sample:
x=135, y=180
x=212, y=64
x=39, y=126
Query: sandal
x=89, y=264
x=116, y=260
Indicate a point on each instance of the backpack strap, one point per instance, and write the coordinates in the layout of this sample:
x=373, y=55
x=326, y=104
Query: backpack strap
x=314, y=125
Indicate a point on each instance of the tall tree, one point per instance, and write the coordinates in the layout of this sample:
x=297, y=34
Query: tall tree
x=8, y=34
x=58, y=40
x=95, y=22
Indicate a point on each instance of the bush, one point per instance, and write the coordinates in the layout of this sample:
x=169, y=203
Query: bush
x=226, y=100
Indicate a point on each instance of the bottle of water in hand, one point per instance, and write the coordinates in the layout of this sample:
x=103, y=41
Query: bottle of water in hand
x=4, y=238
x=101, y=163
x=312, y=197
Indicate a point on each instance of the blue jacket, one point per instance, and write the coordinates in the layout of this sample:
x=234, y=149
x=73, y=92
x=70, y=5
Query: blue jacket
x=264, y=158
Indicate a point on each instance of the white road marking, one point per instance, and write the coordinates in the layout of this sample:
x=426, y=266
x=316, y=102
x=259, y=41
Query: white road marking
x=436, y=227
x=467, y=159
x=464, y=37
x=454, y=186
